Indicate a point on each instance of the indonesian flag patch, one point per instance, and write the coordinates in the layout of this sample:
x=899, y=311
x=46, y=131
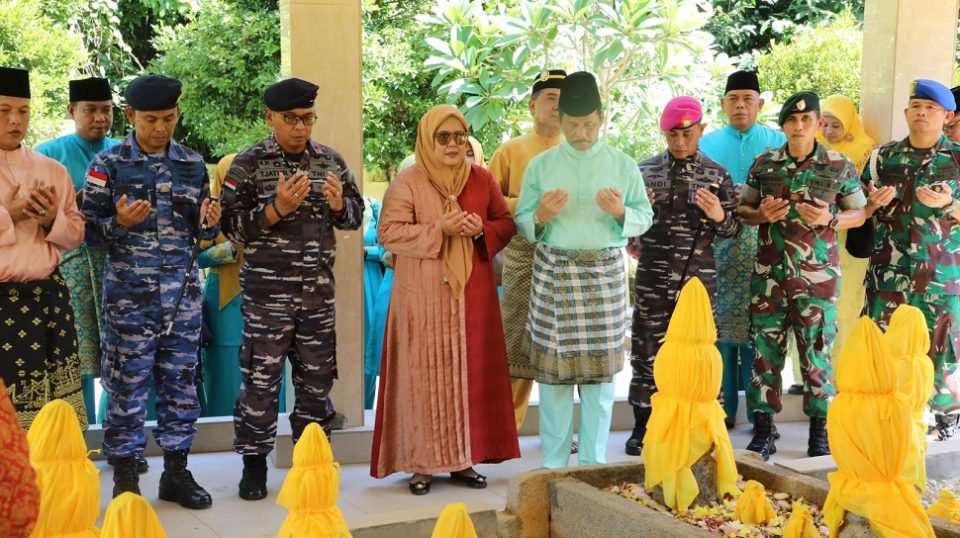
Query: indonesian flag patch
x=97, y=178
x=230, y=183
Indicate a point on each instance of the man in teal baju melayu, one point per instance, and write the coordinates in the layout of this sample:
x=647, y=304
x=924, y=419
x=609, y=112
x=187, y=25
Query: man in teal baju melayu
x=91, y=107
x=579, y=203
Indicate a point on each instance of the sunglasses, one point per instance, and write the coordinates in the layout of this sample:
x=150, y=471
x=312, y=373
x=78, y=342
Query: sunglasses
x=443, y=137
x=293, y=119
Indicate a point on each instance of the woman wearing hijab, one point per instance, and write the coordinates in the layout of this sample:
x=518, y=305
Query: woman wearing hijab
x=444, y=401
x=475, y=153
x=843, y=132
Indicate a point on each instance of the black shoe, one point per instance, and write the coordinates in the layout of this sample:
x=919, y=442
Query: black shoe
x=177, y=483
x=641, y=415
x=773, y=428
x=795, y=389
x=142, y=465
x=948, y=427
x=762, y=442
x=419, y=487
x=478, y=481
x=253, y=482
x=125, y=477
x=818, y=444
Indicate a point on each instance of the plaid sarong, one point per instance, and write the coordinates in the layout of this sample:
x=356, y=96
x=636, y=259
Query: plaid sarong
x=578, y=315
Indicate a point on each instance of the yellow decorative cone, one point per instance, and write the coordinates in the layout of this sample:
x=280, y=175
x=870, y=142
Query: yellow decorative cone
x=800, y=524
x=454, y=522
x=69, y=482
x=871, y=430
x=310, y=490
x=947, y=507
x=909, y=342
x=753, y=506
x=687, y=420
x=131, y=515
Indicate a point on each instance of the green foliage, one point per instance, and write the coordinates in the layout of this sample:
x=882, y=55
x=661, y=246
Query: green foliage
x=746, y=26
x=225, y=58
x=642, y=51
x=52, y=53
x=396, y=85
x=825, y=59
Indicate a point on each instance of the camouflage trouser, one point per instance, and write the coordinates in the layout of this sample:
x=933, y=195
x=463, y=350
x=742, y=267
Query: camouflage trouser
x=135, y=352
x=942, y=313
x=270, y=335
x=650, y=319
x=776, y=308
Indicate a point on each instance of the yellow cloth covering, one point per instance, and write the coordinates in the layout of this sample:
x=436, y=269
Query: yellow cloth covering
x=310, y=490
x=131, y=515
x=454, y=522
x=753, y=506
x=800, y=524
x=686, y=420
x=947, y=507
x=870, y=426
x=909, y=343
x=69, y=482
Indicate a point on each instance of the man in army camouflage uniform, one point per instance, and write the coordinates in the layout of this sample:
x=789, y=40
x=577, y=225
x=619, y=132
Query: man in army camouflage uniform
x=915, y=205
x=799, y=195
x=693, y=202
x=283, y=199
x=144, y=199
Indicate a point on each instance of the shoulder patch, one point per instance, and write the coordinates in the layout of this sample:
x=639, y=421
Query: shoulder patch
x=230, y=183
x=97, y=178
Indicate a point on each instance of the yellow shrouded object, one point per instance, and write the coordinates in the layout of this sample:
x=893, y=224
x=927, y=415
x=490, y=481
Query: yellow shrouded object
x=800, y=524
x=947, y=507
x=687, y=420
x=310, y=490
x=753, y=506
x=454, y=522
x=131, y=515
x=69, y=482
x=909, y=343
x=871, y=431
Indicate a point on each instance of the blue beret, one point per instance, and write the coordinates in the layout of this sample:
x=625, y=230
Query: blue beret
x=290, y=94
x=153, y=92
x=931, y=89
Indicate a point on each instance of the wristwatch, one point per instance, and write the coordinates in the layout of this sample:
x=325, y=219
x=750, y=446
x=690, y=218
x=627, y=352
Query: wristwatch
x=833, y=222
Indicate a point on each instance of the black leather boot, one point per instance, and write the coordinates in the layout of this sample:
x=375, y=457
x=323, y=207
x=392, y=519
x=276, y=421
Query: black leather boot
x=641, y=415
x=125, y=477
x=142, y=465
x=177, y=483
x=817, y=443
x=948, y=427
x=762, y=442
x=253, y=482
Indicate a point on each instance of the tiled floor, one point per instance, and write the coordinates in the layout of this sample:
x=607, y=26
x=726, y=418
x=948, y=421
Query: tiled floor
x=362, y=498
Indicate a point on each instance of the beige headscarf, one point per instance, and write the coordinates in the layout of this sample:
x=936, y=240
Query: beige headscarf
x=457, y=250
x=477, y=152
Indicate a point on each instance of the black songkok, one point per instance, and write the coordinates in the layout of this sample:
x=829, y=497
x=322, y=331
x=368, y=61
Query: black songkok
x=549, y=79
x=14, y=82
x=579, y=95
x=742, y=80
x=90, y=89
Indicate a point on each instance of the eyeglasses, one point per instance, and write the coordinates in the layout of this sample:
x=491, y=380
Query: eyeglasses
x=293, y=119
x=443, y=137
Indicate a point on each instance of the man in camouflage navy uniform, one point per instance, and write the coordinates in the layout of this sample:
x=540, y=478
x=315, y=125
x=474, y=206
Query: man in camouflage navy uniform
x=799, y=195
x=283, y=199
x=915, y=205
x=144, y=199
x=693, y=202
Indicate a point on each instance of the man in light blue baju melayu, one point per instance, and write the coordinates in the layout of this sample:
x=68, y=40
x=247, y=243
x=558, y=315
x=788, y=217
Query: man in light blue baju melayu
x=579, y=203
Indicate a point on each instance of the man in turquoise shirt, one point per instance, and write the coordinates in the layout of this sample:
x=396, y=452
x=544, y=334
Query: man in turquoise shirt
x=91, y=107
x=735, y=147
x=580, y=202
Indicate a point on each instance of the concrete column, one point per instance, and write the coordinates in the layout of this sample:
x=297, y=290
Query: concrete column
x=903, y=40
x=320, y=42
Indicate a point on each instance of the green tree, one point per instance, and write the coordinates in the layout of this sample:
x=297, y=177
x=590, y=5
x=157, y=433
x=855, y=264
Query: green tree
x=742, y=27
x=642, y=51
x=825, y=58
x=52, y=53
x=225, y=57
